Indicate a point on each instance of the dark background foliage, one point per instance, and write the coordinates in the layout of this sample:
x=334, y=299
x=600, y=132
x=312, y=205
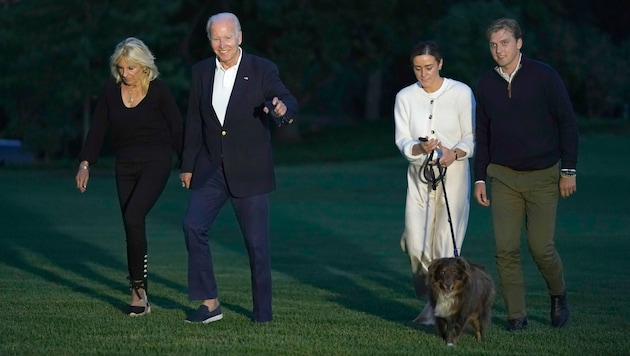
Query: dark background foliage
x=344, y=60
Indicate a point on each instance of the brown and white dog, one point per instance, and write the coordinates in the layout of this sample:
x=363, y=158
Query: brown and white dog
x=460, y=292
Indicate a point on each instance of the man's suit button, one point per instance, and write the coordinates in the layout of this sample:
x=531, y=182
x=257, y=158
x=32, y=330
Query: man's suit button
x=223, y=133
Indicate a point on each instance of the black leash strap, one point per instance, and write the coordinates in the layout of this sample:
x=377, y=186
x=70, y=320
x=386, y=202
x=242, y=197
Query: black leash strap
x=429, y=177
x=429, y=173
x=448, y=211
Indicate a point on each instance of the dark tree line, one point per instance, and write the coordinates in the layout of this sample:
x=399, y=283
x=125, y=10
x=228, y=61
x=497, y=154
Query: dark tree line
x=344, y=60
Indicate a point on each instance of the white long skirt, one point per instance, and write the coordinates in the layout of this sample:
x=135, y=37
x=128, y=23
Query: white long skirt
x=427, y=234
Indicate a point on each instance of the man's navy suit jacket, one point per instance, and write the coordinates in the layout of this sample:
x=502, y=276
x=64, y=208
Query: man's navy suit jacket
x=243, y=143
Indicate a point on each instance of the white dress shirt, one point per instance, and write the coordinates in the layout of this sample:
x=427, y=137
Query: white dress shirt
x=223, y=83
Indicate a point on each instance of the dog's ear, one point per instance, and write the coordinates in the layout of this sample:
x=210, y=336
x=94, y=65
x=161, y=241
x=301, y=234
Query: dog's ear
x=464, y=266
x=463, y=263
x=433, y=266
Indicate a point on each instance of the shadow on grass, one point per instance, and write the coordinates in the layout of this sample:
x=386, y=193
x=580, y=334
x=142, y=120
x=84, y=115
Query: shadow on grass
x=32, y=243
x=335, y=227
x=52, y=256
x=337, y=265
x=330, y=231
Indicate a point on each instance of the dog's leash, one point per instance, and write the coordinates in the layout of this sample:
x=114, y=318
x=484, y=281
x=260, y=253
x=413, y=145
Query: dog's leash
x=429, y=176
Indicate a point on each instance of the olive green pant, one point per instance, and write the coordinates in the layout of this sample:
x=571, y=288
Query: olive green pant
x=529, y=197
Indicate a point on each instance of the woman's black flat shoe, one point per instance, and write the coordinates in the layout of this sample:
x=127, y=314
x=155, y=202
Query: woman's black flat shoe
x=137, y=310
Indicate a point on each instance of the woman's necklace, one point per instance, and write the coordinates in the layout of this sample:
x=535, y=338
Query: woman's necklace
x=130, y=94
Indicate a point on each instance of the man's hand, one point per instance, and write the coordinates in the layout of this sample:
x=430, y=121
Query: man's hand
x=480, y=194
x=185, y=179
x=279, y=108
x=567, y=186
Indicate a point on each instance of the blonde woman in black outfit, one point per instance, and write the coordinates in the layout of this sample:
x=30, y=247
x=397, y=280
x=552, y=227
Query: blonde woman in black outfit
x=146, y=127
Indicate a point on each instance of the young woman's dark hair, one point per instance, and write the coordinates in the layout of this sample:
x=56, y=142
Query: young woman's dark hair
x=426, y=47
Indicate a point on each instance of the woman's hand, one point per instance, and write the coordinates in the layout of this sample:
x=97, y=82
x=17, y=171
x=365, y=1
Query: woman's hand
x=425, y=146
x=83, y=175
x=448, y=156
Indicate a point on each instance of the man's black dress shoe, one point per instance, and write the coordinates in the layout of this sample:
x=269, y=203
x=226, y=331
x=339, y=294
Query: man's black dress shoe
x=517, y=324
x=559, y=310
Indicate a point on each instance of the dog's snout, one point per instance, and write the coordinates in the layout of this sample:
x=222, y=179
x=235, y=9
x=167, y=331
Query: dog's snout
x=448, y=280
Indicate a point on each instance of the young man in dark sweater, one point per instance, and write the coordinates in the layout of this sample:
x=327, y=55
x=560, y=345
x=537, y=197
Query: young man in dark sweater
x=526, y=147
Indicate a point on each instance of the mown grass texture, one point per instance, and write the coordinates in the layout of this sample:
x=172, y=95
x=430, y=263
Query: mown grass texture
x=341, y=283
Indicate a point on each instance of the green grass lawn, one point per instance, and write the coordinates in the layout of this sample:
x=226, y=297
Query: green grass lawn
x=341, y=284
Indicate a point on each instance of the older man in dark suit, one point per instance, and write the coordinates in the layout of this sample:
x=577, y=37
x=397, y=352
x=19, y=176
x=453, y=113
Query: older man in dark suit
x=227, y=156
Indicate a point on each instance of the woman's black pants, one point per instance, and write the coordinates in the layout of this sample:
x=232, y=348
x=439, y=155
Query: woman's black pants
x=139, y=185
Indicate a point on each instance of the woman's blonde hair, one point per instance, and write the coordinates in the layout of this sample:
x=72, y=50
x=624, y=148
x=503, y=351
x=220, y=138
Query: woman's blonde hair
x=135, y=52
